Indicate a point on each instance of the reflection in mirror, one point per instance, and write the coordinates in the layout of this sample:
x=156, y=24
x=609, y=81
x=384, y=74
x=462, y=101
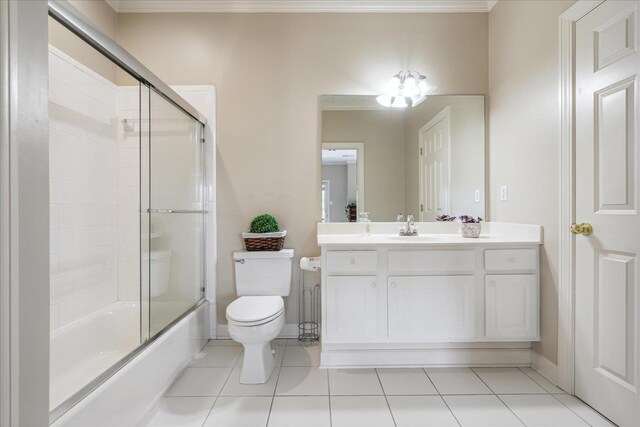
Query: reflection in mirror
x=428, y=160
x=342, y=164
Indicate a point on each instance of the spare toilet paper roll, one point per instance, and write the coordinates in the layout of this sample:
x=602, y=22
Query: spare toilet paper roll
x=310, y=263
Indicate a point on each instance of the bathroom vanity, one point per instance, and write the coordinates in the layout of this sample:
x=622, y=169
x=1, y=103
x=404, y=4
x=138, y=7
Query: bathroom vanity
x=435, y=299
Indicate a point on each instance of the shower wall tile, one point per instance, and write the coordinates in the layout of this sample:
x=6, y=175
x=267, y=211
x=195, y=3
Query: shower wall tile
x=84, y=190
x=128, y=182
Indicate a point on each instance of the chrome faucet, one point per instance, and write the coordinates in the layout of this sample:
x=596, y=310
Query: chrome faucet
x=410, y=229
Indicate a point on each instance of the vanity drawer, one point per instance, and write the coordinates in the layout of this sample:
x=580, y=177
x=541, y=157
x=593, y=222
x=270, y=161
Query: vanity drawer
x=351, y=262
x=510, y=259
x=452, y=261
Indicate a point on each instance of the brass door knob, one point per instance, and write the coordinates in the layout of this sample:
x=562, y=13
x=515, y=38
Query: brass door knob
x=584, y=228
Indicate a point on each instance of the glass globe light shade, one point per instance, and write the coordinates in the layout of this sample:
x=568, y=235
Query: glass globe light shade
x=393, y=86
x=424, y=86
x=384, y=100
x=410, y=87
x=399, y=102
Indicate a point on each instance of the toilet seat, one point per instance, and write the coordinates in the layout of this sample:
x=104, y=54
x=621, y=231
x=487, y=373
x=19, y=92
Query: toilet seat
x=255, y=310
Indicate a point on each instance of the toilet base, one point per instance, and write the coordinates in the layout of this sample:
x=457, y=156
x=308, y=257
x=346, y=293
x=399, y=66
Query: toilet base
x=259, y=360
x=258, y=363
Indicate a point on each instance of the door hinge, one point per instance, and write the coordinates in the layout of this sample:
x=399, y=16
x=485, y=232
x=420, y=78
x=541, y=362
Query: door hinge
x=202, y=140
x=421, y=207
x=421, y=151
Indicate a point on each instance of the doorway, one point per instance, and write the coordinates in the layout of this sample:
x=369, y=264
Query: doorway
x=435, y=153
x=600, y=289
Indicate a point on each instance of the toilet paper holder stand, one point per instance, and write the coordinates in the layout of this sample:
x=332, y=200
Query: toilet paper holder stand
x=309, y=308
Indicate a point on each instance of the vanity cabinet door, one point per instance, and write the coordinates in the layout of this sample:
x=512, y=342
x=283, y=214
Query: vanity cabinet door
x=431, y=308
x=352, y=308
x=511, y=307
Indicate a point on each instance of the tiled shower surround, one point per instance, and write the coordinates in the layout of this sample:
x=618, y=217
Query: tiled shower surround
x=94, y=194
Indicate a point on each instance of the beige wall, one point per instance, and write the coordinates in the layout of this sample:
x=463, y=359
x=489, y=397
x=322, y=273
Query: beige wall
x=382, y=133
x=269, y=70
x=524, y=127
x=105, y=19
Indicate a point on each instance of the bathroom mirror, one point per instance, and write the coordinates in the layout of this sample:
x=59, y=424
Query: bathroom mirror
x=427, y=160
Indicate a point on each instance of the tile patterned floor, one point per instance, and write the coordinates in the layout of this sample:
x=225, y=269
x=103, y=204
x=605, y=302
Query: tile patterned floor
x=299, y=394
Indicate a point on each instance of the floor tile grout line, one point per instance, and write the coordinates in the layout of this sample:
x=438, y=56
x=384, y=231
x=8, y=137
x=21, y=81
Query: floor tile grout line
x=534, y=380
x=441, y=396
x=275, y=388
x=209, y=412
x=385, y=397
x=496, y=395
x=450, y=410
x=483, y=381
x=220, y=392
x=578, y=415
x=431, y=381
x=509, y=408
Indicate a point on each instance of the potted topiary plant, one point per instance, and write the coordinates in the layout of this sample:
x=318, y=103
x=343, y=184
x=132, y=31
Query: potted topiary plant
x=264, y=234
x=470, y=226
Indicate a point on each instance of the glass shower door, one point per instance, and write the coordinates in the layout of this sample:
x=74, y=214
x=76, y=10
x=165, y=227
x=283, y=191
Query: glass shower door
x=175, y=224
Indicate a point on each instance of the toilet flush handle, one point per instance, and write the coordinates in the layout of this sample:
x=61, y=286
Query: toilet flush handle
x=241, y=261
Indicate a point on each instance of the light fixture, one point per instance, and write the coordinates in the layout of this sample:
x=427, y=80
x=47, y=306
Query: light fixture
x=407, y=88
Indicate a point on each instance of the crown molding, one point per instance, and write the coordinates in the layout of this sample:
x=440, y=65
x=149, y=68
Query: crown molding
x=491, y=4
x=301, y=6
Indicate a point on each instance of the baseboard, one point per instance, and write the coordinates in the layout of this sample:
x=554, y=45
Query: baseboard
x=290, y=330
x=213, y=326
x=545, y=367
x=433, y=357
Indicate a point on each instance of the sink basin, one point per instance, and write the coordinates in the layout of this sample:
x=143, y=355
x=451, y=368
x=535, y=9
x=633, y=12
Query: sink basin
x=416, y=239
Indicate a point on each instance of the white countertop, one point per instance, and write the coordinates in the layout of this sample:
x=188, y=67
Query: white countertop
x=429, y=234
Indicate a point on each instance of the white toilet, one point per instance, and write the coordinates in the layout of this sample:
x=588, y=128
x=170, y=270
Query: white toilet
x=257, y=316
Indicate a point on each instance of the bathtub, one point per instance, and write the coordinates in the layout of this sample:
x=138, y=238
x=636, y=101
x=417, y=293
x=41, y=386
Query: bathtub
x=84, y=349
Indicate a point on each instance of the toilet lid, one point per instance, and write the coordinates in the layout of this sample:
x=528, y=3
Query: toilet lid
x=255, y=308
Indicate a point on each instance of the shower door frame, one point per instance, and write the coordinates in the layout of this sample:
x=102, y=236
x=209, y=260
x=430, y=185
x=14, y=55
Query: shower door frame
x=68, y=16
x=24, y=222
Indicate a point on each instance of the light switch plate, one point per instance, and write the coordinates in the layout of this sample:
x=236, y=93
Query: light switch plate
x=504, y=193
x=476, y=197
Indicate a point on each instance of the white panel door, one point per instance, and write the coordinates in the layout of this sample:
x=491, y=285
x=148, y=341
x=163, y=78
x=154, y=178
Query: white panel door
x=431, y=308
x=511, y=307
x=435, y=158
x=352, y=308
x=606, y=181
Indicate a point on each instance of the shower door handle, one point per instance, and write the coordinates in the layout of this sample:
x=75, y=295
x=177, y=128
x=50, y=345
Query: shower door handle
x=176, y=211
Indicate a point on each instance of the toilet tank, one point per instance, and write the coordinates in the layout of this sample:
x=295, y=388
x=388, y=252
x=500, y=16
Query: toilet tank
x=263, y=273
x=160, y=270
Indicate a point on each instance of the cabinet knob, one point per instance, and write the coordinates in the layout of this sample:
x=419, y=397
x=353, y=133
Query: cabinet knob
x=393, y=284
x=373, y=284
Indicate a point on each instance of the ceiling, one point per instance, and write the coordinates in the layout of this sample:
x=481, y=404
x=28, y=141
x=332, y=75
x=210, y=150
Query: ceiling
x=296, y=6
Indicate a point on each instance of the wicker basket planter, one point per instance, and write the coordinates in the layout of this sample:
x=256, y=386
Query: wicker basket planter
x=264, y=241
